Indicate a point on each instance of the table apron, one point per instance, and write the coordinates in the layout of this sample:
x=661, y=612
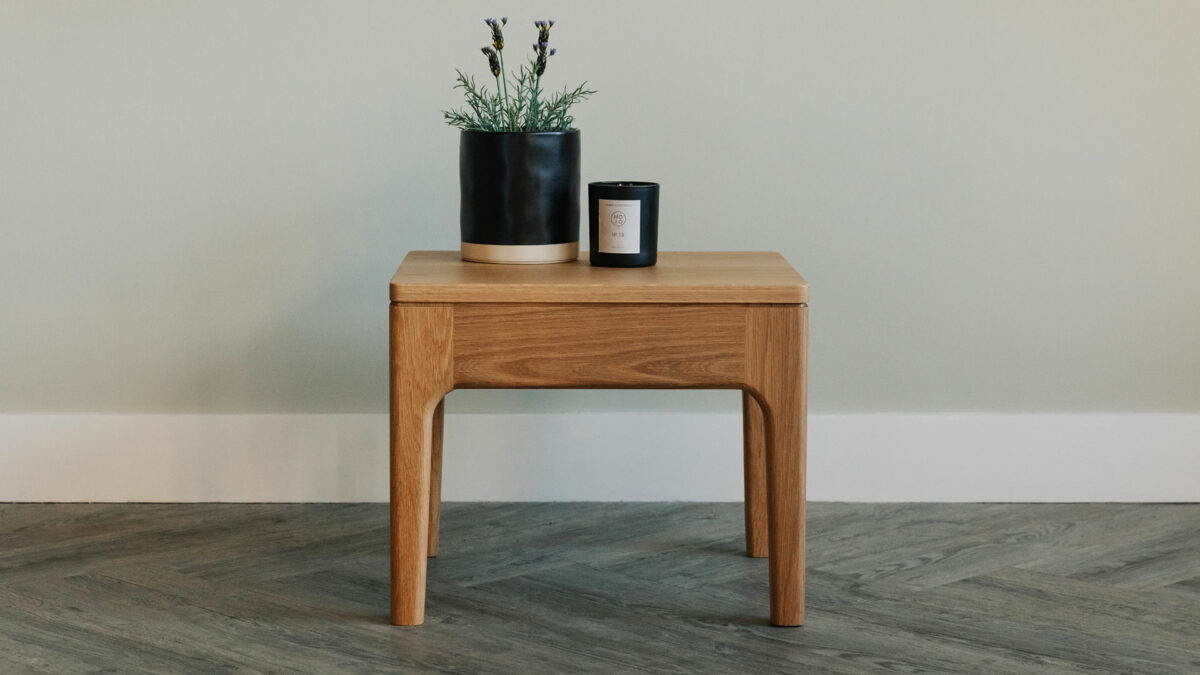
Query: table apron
x=599, y=345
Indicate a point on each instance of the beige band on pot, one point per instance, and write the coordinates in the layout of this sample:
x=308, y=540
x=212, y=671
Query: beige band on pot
x=520, y=255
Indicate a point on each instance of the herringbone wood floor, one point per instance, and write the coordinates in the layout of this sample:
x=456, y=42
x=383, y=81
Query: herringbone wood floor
x=600, y=587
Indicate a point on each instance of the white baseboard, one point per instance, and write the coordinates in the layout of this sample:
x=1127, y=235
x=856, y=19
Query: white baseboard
x=599, y=456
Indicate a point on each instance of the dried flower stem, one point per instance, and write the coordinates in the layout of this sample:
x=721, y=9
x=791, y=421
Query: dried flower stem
x=504, y=75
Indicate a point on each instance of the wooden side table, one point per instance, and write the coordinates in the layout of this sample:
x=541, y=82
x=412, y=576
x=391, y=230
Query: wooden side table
x=696, y=320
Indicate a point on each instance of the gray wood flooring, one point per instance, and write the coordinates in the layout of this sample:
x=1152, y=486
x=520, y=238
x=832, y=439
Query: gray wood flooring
x=588, y=587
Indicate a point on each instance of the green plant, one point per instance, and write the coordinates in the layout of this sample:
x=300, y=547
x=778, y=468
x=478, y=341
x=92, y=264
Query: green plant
x=521, y=107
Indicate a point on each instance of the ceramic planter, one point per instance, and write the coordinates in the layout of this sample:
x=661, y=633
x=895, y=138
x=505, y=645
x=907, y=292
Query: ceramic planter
x=520, y=196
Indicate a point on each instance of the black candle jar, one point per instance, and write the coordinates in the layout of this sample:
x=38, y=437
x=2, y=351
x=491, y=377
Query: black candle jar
x=623, y=223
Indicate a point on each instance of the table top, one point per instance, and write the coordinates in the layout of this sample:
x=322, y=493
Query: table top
x=752, y=277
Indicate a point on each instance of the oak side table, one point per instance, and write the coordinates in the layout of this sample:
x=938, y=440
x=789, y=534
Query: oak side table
x=695, y=320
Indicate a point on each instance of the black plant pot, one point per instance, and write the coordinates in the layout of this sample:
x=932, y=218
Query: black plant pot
x=520, y=196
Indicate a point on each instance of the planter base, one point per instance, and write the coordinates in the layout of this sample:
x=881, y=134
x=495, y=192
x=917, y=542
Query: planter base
x=520, y=255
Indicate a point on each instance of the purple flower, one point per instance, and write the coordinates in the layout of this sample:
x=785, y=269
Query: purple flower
x=541, y=47
x=497, y=36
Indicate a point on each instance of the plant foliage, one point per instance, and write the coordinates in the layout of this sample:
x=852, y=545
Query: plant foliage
x=523, y=106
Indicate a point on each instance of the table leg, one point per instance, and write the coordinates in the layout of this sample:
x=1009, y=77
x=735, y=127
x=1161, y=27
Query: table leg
x=754, y=456
x=777, y=361
x=420, y=377
x=435, y=478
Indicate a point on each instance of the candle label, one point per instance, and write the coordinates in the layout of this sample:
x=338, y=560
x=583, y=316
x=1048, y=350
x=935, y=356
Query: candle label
x=620, y=225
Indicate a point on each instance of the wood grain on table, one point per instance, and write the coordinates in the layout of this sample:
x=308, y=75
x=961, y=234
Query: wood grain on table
x=679, y=277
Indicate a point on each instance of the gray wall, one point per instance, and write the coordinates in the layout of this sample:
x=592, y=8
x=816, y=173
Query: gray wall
x=997, y=203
